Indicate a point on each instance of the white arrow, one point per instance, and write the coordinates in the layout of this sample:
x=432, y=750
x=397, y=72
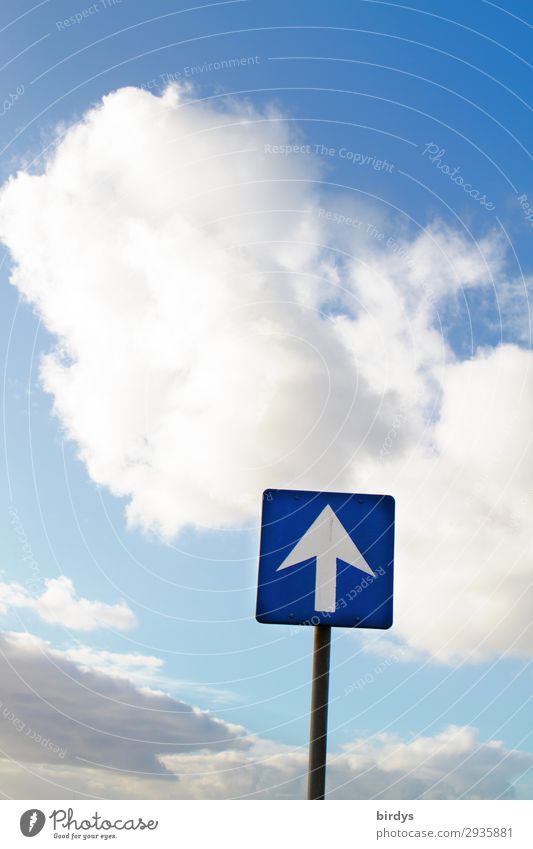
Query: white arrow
x=327, y=540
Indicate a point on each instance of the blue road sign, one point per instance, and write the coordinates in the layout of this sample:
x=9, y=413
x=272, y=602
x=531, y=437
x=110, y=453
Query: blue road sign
x=326, y=558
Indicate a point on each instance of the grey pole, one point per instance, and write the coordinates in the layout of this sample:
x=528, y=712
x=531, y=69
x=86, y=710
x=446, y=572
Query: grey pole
x=316, y=785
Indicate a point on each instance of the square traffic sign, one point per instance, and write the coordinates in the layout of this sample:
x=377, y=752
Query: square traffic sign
x=326, y=558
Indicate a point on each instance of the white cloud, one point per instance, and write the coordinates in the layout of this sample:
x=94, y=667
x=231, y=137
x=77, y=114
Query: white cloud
x=65, y=781
x=59, y=605
x=464, y=575
x=514, y=305
x=67, y=731
x=54, y=711
x=139, y=668
x=196, y=364
x=209, y=346
x=453, y=764
x=145, y=671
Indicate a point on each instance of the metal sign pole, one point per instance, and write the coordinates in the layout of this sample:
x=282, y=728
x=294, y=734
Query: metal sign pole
x=319, y=713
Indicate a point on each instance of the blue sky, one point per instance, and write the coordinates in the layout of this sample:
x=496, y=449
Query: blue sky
x=383, y=80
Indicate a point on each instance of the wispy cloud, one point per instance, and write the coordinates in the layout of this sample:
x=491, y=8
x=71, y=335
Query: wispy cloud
x=145, y=671
x=58, y=604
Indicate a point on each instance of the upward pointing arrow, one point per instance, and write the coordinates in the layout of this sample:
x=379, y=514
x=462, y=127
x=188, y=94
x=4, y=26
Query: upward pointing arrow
x=328, y=540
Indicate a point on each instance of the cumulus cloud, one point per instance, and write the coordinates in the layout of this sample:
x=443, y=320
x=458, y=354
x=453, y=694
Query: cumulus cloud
x=196, y=346
x=219, y=332
x=144, y=670
x=57, y=712
x=514, y=305
x=453, y=764
x=59, y=605
x=463, y=505
x=62, y=781
x=134, y=666
x=67, y=731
